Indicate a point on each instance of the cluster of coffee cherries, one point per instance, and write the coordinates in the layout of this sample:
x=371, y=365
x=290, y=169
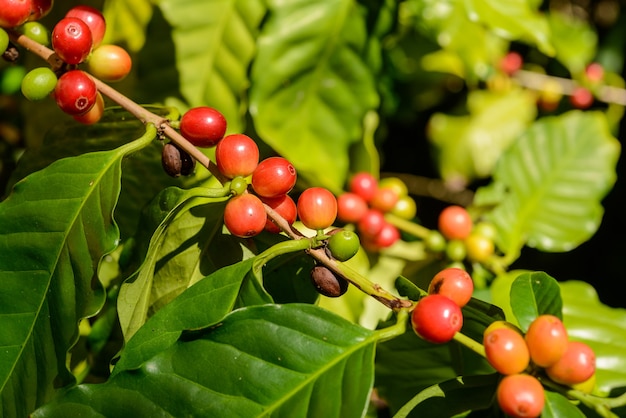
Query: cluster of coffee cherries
x=545, y=350
x=254, y=184
x=365, y=204
x=76, y=40
x=460, y=238
x=437, y=317
x=549, y=98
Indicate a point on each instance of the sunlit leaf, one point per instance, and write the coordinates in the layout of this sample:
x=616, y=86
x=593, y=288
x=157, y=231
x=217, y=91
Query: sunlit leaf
x=555, y=177
x=278, y=360
x=469, y=146
x=574, y=40
x=534, y=294
x=214, y=43
x=513, y=20
x=126, y=25
x=312, y=86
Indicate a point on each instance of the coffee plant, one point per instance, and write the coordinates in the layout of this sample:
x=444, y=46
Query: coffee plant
x=309, y=208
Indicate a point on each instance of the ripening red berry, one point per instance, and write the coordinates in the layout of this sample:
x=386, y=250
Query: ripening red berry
x=203, y=126
x=455, y=222
x=594, y=72
x=384, y=199
x=387, y=236
x=40, y=8
x=576, y=365
x=273, y=177
x=521, y=395
x=109, y=63
x=511, y=62
x=371, y=223
x=436, y=318
x=351, y=207
x=546, y=339
x=317, y=208
x=14, y=12
x=94, y=114
x=94, y=20
x=581, y=98
x=71, y=40
x=453, y=282
x=236, y=155
x=284, y=206
x=244, y=215
x=75, y=92
x=364, y=184
x=506, y=350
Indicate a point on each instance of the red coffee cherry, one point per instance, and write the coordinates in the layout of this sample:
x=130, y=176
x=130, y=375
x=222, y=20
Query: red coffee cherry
x=203, y=126
x=455, y=222
x=94, y=20
x=453, y=282
x=520, y=395
x=546, y=339
x=364, y=184
x=317, y=208
x=245, y=216
x=94, y=114
x=511, y=62
x=581, y=98
x=75, y=92
x=274, y=176
x=14, y=12
x=436, y=318
x=384, y=199
x=236, y=155
x=506, y=350
x=577, y=364
x=109, y=63
x=71, y=40
x=40, y=8
x=371, y=223
x=386, y=237
x=284, y=206
x=351, y=207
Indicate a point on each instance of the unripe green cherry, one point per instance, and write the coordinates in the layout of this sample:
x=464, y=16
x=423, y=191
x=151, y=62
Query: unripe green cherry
x=37, y=32
x=38, y=83
x=4, y=40
x=344, y=244
x=456, y=250
x=435, y=242
x=238, y=185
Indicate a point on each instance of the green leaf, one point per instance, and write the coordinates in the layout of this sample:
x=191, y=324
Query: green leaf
x=452, y=397
x=600, y=326
x=56, y=226
x=558, y=405
x=469, y=146
x=554, y=178
x=574, y=40
x=126, y=25
x=406, y=365
x=468, y=47
x=534, y=294
x=187, y=246
x=272, y=360
x=312, y=86
x=214, y=42
x=513, y=20
x=201, y=305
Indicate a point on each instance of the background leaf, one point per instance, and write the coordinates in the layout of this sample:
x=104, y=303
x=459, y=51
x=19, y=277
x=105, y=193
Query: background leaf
x=311, y=85
x=56, y=225
x=214, y=72
x=251, y=364
x=534, y=294
x=551, y=183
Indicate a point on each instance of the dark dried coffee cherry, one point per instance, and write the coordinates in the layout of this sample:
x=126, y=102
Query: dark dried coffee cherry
x=177, y=161
x=327, y=283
